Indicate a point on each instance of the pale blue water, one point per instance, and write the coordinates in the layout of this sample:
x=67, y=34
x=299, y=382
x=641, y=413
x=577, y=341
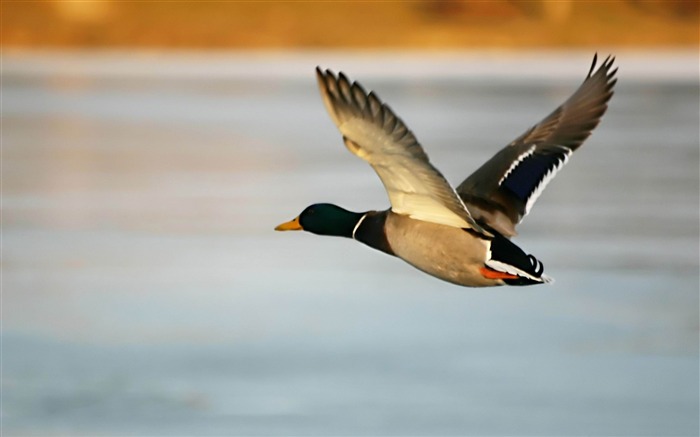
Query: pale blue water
x=145, y=293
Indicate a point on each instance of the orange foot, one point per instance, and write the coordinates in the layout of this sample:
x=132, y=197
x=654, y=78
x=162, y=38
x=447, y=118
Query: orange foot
x=494, y=274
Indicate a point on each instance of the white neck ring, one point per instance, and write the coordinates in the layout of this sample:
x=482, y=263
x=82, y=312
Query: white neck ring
x=357, y=226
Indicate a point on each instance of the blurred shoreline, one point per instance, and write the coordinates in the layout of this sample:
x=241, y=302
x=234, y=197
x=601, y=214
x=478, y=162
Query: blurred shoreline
x=346, y=24
x=488, y=64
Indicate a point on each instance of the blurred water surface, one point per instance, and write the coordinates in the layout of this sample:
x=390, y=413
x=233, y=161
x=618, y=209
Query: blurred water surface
x=145, y=293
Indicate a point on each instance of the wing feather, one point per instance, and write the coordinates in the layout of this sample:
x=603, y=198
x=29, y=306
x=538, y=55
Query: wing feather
x=373, y=132
x=502, y=191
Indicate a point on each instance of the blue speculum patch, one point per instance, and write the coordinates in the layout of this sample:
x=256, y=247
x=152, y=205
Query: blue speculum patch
x=524, y=178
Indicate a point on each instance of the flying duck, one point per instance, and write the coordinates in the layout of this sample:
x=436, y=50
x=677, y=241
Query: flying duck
x=461, y=235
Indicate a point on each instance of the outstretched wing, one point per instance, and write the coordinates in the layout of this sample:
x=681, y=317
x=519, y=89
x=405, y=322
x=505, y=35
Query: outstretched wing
x=372, y=131
x=502, y=191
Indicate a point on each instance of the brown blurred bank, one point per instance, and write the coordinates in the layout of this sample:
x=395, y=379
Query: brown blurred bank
x=348, y=24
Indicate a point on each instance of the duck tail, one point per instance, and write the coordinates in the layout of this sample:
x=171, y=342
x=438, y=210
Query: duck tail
x=508, y=258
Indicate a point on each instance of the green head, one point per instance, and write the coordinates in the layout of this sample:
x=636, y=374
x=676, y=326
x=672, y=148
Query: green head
x=324, y=219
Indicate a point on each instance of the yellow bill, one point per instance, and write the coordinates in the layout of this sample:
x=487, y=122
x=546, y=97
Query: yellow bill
x=292, y=225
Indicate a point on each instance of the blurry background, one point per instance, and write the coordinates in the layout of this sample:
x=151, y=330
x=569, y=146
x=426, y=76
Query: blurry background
x=413, y=25
x=149, y=148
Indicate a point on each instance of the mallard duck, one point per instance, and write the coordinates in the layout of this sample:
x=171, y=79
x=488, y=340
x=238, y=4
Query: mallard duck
x=462, y=236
